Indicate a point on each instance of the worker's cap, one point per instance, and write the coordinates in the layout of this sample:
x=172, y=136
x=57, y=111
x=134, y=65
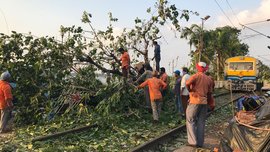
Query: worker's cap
x=177, y=72
x=201, y=66
x=5, y=76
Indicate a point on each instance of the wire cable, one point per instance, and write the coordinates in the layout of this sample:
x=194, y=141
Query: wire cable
x=2, y=12
x=255, y=31
x=258, y=22
x=249, y=36
x=224, y=13
x=233, y=11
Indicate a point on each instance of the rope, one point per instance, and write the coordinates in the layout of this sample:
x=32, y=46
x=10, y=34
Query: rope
x=249, y=126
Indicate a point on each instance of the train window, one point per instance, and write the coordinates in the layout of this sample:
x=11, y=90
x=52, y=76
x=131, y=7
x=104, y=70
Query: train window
x=241, y=66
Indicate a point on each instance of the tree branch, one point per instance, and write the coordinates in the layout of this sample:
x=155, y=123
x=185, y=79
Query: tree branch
x=136, y=49
x=88, y=59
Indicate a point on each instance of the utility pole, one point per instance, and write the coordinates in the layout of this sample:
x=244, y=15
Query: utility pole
x=201, y=37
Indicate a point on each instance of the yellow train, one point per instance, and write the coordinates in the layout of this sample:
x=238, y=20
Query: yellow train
x=241, y=73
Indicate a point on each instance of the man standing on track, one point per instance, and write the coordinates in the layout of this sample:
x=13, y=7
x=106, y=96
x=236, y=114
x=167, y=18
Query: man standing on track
x=155, y=85
x=177, y=85
x=164, y=78
x=146, y=75
x=6, y=103
x=184, y=90
x=199, y=86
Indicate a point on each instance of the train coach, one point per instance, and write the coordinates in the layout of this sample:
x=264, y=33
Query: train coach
x=241, y=73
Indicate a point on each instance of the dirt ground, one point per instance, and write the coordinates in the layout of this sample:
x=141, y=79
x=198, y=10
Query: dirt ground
x=213, y=134
x=7, y=136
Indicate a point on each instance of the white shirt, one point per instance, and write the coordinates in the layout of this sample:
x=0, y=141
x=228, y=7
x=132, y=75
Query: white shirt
x=183, y=84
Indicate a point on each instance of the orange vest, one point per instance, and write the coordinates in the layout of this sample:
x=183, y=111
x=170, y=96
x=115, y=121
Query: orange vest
x=5, y=93
x=125, y=60
x=164, y=77
x=155, y=85
x=200, y=85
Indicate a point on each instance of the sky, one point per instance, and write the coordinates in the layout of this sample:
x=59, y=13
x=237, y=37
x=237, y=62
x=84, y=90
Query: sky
x=44, y=17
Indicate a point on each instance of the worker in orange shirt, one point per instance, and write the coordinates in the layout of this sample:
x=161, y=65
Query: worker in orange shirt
x=6, y=103
x=155, y=85
x=199, y=86
x=125, y=60
x=164, y=77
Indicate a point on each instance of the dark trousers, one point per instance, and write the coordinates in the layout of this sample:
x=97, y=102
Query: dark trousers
x=157, y=63
x=125, y=71
x=179, y=106
x=147, y=97
x=156, y=108
x=184, y=102
x=195, y=122
x=5, y=117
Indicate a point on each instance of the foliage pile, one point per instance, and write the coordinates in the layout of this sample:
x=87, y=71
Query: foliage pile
x=118, y=98
x=122, y=124
x=110, y=136
x=37, y=66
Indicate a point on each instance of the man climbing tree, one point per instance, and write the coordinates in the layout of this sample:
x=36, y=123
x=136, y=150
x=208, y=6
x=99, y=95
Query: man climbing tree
x=156, y=54
x=125, y=60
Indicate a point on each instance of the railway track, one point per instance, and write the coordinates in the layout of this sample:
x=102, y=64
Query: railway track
x=165, y=142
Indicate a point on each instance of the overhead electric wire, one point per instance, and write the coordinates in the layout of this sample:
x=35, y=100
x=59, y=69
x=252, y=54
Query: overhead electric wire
x=249, y=36
x=224, y=13
x=233, y=11
x=258, y=22
x=268, y=60
x=5, y=20
x=255, y=31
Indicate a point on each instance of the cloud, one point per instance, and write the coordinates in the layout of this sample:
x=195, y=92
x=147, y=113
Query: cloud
x=247, y=16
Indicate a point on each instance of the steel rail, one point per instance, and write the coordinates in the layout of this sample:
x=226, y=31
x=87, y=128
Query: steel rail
x=170, y=134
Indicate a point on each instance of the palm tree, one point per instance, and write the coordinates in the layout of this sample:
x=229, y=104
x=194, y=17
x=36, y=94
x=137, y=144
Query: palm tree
x=192, y=34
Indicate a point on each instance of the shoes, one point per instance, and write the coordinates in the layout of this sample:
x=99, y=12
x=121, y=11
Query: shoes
x=5, y=131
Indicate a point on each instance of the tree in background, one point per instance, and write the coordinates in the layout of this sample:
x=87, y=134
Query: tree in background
x=192, y=34
x=264, y=72
x=219, y=44
x=101, y=49
x=224, y=43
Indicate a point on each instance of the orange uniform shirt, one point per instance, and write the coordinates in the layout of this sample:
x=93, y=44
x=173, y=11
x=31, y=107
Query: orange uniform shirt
x=5, y=93
x=125, y=60
x=164, y=77
x=154, y=87
x=200, y=85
